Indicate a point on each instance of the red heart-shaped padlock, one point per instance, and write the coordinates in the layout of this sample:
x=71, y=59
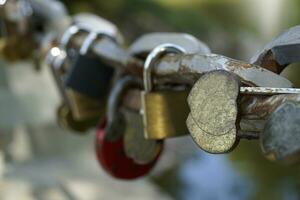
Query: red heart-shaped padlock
x=112, y=158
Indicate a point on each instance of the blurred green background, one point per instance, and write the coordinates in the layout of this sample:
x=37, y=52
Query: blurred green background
x=235, y=28
x=40, y=157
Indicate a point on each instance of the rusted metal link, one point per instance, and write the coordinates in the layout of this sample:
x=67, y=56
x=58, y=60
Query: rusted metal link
x=280, y=52
x=259, y=107
x=187, y=68
x=256, y=109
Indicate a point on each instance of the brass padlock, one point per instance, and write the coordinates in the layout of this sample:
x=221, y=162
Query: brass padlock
x=164, y=111
x=213, y=121
x=84, y=107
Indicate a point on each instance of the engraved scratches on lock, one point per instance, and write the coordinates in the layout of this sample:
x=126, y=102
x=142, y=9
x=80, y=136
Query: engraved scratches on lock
x=213, y=111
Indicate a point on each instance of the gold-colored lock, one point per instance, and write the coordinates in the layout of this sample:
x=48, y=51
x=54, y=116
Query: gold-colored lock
x=84, y=107
x=67, y=121
x=164, y=111
x=213, y=120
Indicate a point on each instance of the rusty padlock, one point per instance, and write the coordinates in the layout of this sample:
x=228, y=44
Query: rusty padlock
x=111, y=139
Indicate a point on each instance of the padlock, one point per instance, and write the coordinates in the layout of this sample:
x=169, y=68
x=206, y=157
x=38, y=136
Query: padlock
x=114, y=161
x=90, y=77
x=85, y=104
x=213, y=120
x=164, y=111
x=280, y=138
x=56, y=59
x=95, y=23
x=65, y=115
x=113, y=142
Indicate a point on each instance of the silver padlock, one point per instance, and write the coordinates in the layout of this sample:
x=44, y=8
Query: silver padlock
x=145, y=44
x=98, y=24
x=280, y=138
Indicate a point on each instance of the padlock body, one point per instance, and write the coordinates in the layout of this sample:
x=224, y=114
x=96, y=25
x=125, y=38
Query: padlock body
x=280, y=139
x=165, y=113
x=84, y=107
x=89, y=76
x=87, y=85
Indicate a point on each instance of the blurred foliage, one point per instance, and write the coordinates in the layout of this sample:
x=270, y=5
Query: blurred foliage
x=203, y=19
x=269, y=177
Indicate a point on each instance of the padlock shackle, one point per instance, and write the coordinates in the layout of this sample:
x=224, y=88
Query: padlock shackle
x=68, y=34
x=91, y=38
x=152, y=57
x=117, y=92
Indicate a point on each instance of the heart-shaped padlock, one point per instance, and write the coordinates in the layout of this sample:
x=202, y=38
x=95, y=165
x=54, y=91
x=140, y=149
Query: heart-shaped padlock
x=114, y=161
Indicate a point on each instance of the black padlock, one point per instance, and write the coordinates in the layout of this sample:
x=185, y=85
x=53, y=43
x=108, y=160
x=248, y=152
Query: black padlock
x=88, y=77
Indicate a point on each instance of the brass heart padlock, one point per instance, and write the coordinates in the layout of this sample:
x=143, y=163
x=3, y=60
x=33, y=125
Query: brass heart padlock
x=213, y=117
x=162, y=115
